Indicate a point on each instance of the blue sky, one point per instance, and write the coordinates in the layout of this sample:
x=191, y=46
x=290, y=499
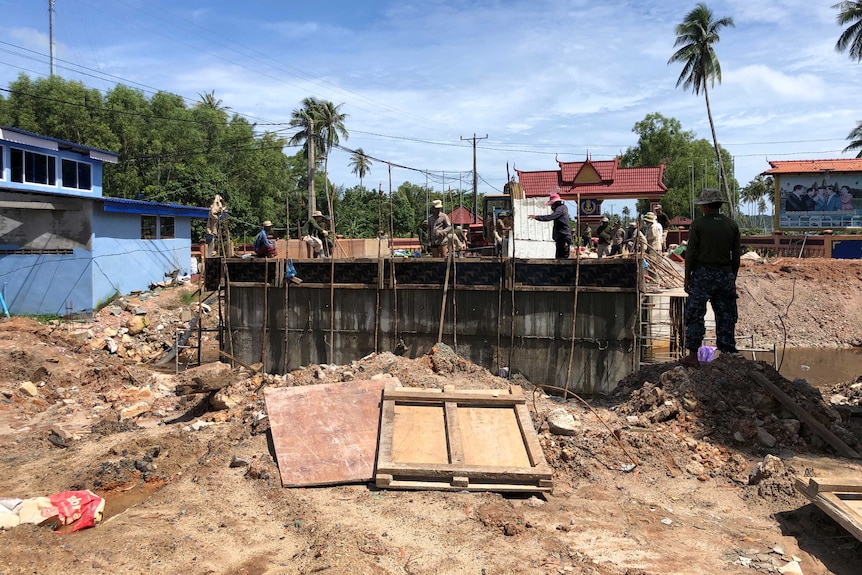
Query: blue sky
x=542, y=78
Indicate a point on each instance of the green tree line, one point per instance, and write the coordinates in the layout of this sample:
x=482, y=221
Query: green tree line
x=175, y=152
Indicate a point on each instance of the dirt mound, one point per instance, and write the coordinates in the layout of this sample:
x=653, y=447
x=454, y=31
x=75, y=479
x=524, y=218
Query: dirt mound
x=801, y=302
x=679, y=471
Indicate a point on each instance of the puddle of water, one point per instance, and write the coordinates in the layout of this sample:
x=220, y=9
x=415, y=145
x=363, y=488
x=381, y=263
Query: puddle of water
x=821, y=367
x=117, y=501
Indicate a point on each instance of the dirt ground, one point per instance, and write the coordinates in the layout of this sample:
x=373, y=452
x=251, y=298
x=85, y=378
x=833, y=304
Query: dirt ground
x=679, y=471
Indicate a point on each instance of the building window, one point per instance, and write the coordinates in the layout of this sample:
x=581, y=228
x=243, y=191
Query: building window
x=33, y=168
x=166, y=228
x=2, y=164
x=149, y=227
x=77, y=175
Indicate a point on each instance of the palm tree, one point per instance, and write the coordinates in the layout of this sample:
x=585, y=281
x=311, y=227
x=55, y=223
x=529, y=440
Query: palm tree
x=305, y=119
x=626, y=213
x=331, y=122
x=851, y=39
x=322, y=124
x=855, y=137
x=695, y=37
x=360, y=164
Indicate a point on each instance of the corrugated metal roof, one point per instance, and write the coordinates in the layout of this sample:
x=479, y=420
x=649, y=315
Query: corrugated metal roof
x=126, y=206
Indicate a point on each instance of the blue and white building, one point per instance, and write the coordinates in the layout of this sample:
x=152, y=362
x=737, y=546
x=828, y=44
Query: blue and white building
x=64, y=247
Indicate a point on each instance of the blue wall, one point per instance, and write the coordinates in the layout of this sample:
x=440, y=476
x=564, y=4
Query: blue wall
x=122, y=262
x=46, y=283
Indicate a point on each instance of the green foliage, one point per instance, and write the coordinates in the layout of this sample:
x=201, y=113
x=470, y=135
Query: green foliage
x=690, y=164
x=850, y=12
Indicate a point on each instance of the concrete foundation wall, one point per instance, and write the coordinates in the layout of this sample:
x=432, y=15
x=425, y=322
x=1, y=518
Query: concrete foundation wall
x=478, y=322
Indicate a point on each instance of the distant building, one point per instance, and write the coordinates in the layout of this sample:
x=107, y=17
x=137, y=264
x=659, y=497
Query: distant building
x=63, y=246
x=817, y=194
x=593, y=182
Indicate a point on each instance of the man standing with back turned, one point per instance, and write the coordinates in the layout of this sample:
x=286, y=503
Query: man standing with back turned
x=711, y=265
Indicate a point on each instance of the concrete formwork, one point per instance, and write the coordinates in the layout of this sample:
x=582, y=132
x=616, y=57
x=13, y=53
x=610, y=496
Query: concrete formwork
x=515, y=314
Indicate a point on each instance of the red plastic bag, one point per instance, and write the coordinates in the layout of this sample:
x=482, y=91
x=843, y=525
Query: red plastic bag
x=76, y=510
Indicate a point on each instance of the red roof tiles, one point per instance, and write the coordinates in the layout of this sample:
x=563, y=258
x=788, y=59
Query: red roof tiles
x=580, y=177
x=462, y=216
x=814, y=166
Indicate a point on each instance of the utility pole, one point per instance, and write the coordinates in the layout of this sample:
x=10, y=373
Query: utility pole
x=310, y=143
x=475, y=176
x=51, y=34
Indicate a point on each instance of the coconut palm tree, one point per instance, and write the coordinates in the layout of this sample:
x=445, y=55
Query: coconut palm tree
x=695, y=37
x=304, y=118
x=855, y=137
x=360, y=164
x=851, y=39
x=322, y=124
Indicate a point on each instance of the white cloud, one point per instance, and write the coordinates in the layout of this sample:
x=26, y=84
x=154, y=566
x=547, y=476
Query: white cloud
x=765, y=83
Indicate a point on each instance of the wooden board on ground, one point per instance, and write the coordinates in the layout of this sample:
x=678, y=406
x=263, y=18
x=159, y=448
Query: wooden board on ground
x=840, y=498
x=326, y=434
x=480, y=440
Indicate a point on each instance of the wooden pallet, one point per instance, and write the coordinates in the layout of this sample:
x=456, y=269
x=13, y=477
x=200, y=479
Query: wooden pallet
x=480, y=440
x=840, y=498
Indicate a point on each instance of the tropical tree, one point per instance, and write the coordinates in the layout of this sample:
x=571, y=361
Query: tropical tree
x=855, y=137
x=360, y=164
x=331, y=130
x=695, y=37
x=626, y=213
x=689, y=163
x=321, y=125
x=850, y=12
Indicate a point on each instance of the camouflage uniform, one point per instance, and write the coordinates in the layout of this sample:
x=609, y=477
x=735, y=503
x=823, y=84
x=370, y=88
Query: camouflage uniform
x=717, y=286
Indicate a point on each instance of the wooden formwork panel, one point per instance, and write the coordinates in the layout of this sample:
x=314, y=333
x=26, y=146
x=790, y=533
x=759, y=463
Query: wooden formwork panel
x=480, y=440
x=840, y=498
x=326, y=434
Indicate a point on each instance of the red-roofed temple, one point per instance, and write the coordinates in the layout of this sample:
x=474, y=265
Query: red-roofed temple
x=595, y=181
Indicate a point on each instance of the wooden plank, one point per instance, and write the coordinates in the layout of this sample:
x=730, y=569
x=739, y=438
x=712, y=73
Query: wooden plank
x=844, y=508
x=820, y=429
x=492, y=437
x=453, y=433
x=436, y=471
x=531, y=440
x=326, y=434
x=423, y=396
x=471, y=486
x=841, y=484
x=454, y=440
x=419, y=434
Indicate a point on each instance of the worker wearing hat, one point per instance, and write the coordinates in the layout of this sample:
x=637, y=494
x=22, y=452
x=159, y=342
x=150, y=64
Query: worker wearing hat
x=712, y=259
x=603, y=232
x=653, y=232
x=264, y=247
x=317, y=236
x=561, y=233
x=439, y=226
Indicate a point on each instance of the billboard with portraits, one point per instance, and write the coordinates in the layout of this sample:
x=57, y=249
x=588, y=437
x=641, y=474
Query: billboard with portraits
x=818, y=201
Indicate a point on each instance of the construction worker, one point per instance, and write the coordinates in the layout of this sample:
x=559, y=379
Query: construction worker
x=264, y=247
x=316, y=235
x=561, y=233
x=439, y=226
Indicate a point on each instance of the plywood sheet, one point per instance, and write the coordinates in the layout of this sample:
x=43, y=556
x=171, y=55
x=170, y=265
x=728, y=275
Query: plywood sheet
x=419, y=421
x=839, y=498
x=326, y=434
x=481, y=440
